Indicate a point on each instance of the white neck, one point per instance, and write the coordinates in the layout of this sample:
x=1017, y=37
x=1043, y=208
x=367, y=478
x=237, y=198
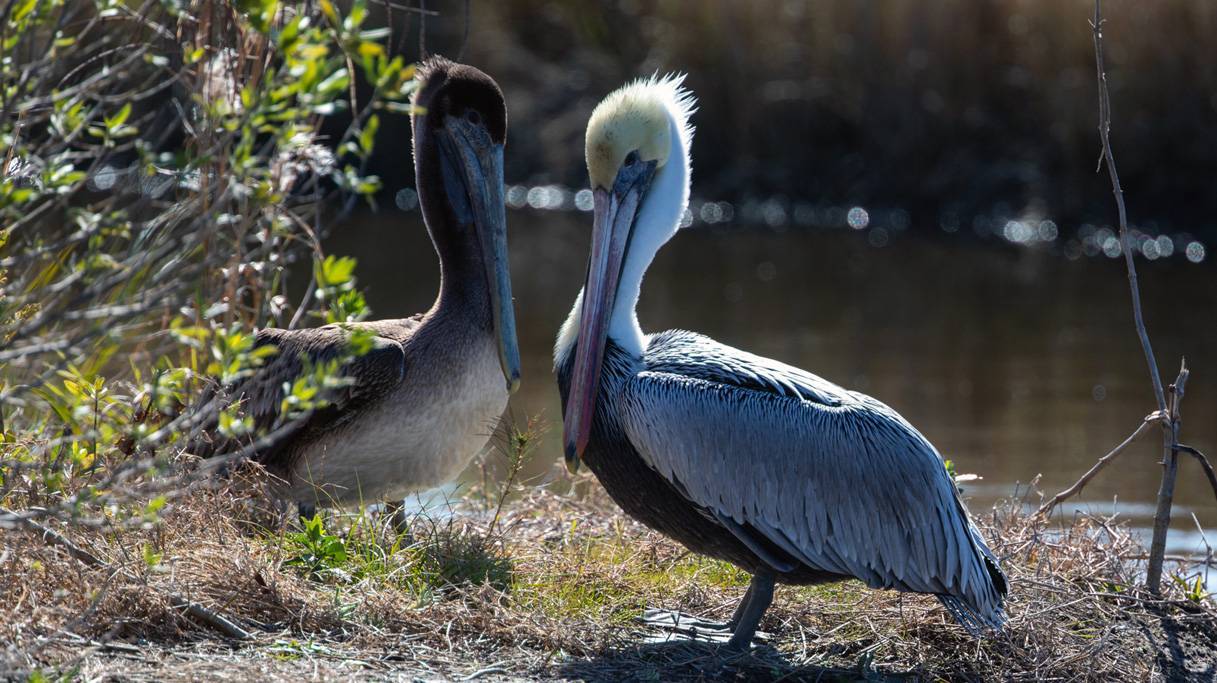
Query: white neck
x=658, y=220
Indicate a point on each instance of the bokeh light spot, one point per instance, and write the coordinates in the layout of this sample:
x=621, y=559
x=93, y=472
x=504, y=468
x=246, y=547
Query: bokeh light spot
x=406, y=199
x=766, y=271
x=857, y=218
x=584, y=200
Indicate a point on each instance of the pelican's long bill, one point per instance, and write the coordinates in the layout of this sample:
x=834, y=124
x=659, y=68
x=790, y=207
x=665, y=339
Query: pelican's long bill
x=614, y=214
x=479, y=181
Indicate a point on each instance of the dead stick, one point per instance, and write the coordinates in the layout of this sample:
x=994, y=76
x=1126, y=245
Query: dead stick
x=1118, y=191
x=1170, y=435
x=215, y=620
x=211, y=618
x=52, y=537
x=1166, y=492
x=1104, y=461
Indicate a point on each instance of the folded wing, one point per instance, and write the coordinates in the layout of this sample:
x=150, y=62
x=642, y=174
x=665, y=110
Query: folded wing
x=260, y=396
x=836, y=479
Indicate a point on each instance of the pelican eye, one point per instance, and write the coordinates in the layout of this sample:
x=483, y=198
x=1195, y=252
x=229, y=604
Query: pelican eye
x=631, y=159
x=473, y=117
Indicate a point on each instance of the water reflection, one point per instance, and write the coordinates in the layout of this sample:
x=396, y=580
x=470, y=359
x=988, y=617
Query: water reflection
x=1014, y=362
x=780, y=214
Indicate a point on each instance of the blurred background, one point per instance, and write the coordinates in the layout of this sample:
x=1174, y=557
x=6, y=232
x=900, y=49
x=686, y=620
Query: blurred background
x=900, y=197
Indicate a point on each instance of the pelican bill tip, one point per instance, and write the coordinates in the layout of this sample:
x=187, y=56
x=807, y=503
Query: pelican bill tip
x=571, y=454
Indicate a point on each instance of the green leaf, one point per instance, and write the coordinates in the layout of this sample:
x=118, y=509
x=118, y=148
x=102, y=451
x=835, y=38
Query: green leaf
x=370, y=49
x=151, y=558
x=335, y=82
x=259, y=12
x=327, y=8
x=120, y=118
x=359, y=12
x=361, y=342
x=374, y=34
x=335, y=271
x=367, y=136
x=289, y=35
x=23, y=10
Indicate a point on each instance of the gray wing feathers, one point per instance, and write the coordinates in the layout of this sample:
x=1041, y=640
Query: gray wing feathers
x=849, y=488
x=750, y=540
x=696, y=355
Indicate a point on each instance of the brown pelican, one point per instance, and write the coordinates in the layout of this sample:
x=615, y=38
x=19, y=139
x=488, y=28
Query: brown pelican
x=739, y=457
x=424, y=400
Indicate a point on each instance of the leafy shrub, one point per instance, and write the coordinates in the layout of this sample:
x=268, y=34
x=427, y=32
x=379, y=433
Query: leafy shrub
x=315, y=550
x=161, y=172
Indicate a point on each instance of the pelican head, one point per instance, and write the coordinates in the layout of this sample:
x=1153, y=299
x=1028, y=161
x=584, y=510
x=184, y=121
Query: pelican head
x=638, y=162
x=461, y=111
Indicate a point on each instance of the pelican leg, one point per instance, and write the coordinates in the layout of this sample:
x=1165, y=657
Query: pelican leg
x=397, y=517
x=756, y=601
x=741, y=608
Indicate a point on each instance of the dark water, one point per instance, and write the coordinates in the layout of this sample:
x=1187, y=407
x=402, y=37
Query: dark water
x=1013, y=361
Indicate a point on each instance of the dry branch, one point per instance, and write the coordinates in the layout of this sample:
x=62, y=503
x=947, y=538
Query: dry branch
x=1170, y=431
x=1166, y=492
x=1118, y=191
x=1103, y=462
x=1204, y=463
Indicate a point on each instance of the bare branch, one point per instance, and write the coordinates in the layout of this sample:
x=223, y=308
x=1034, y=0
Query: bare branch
x=1103, y=462
x=1204, y=463
x=1118, y=191
x=1166, y=492
x=1170, y=435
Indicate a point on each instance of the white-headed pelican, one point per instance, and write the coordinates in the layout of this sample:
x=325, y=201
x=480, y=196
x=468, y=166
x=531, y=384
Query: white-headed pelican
x=739, y=457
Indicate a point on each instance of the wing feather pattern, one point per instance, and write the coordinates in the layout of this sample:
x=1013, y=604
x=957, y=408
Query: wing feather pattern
x=261, y=395
x=836, y=479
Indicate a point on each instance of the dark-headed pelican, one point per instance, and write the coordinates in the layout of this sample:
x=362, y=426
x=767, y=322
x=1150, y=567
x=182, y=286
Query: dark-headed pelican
x=425, y=399
x=739, y=457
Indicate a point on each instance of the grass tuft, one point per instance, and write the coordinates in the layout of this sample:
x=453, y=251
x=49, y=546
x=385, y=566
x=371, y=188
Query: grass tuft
x=456, y=554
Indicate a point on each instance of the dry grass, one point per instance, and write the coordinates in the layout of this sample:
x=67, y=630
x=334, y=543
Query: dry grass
x=555, y=594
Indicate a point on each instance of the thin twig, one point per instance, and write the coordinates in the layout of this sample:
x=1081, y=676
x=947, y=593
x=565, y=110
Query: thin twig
x=1118, y=191
x=1204, y=463
x=460, y=54
x=1104, y=461
x=208, y=617
x=1181, y=559
x=1208, y=549
x=422, y=30
x=53, y=537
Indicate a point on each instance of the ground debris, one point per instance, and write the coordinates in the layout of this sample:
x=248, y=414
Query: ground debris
x=561, y=587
